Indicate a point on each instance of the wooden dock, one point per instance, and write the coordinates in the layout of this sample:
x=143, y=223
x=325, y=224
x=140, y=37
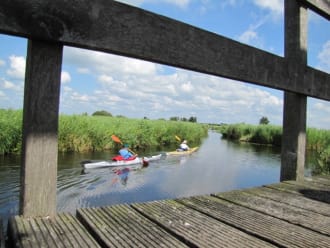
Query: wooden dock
x=287, y=214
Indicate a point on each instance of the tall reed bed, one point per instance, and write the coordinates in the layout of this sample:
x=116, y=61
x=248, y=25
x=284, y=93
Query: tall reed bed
x=82, y=133
x=318, y=141
x=93, y=133
x=10, y=131
x=260, y=134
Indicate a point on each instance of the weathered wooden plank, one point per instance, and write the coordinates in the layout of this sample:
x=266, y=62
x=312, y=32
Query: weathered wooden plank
x=263, y=226
x=198, y=229
x=322, y=179
x=122, y=226
x=294, y=215
x=310, y=184
x=117, y=28
x=303, y=190
x=291, y=199
x=62, y=231
x=293, y=153
x=40, y=127
x=322, y=7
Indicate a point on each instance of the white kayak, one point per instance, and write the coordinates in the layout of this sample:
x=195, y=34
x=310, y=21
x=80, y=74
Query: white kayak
x=90, y=164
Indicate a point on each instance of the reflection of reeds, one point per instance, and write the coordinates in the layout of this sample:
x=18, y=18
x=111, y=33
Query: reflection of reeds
x=93, y=133
x=317, y=140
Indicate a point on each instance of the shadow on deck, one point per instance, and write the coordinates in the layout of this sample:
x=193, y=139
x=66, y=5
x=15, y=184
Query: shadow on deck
x=287, y=214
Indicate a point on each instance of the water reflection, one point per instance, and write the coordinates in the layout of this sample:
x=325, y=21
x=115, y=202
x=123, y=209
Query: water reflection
x=217, y=166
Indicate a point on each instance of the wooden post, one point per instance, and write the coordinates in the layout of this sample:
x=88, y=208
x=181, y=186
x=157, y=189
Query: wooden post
x=40, y=127
x=294, y=113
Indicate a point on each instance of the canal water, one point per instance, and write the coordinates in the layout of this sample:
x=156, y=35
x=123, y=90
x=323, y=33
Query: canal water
x=219, y=165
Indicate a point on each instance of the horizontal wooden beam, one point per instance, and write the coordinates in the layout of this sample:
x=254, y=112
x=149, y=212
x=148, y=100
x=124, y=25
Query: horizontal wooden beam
x=321, y=7
x=113, y=27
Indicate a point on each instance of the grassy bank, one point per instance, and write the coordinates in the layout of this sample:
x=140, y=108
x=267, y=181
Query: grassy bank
x=318, y=141
x=93, y=133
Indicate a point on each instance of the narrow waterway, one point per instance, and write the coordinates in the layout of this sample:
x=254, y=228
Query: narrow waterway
x=217, y=166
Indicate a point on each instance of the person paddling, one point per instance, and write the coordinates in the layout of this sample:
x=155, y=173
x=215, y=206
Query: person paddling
x=125, y=152
x=184, y=146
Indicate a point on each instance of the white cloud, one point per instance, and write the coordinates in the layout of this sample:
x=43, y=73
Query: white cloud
x=324, y=57
x=2, y=62
x=108, y=64
x=248, y=36
x=275, y=6
x=318, y=113
x=65, y=77
x=80, y=98
x=17, y=67
x=187, y=87
x=105, y=79
x=5, y=84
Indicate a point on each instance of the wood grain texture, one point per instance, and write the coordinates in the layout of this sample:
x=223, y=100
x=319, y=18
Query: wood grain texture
x=117, y=28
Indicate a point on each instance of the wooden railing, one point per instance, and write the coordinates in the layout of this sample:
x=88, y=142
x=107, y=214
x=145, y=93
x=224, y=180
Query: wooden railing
x=113, y=27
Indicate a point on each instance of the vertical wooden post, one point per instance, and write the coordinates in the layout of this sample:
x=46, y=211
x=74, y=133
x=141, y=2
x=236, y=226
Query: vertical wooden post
x=294, y=113
x=40, y=127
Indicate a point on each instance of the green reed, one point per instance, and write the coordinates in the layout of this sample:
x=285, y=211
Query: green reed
x=318, y=140
x=93, y=133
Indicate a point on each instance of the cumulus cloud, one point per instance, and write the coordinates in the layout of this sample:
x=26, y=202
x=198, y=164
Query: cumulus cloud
x=275, y=6
x=65, y=77
x=324, y=57
x=17, y=67
x=5, y=84
x=98, y=62
x=248, y=36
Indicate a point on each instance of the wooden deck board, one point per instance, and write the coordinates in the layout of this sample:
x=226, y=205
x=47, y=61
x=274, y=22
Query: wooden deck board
x=261, y=225
x=197, y=228
x=62, y=231
x=287, y=214
x=291, y=199
x=122, y=226
x=294, y=215
x=308, y=191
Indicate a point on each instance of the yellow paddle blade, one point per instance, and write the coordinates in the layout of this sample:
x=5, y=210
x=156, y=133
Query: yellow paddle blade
x=177, y=137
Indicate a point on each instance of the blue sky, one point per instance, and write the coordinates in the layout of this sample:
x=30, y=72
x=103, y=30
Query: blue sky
x=94, y=81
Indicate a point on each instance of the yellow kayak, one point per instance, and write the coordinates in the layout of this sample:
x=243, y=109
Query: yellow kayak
x=177, y=152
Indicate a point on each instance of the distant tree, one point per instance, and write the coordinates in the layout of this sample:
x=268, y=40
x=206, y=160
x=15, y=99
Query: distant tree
x=145, y=118
x=184, y=119
x=102, y=113
x=174, y=118
x=84, y=114
x=263, y=120
x=192, y=119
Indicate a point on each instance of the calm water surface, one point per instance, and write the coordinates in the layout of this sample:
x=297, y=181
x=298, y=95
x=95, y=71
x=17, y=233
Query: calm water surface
x=217, y=166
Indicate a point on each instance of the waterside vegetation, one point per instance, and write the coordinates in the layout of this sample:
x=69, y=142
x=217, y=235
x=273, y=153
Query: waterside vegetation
x=318, y=140
x=82, y=133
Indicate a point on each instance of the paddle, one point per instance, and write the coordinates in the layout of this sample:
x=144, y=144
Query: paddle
x=116, y=139
x=178, y=138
